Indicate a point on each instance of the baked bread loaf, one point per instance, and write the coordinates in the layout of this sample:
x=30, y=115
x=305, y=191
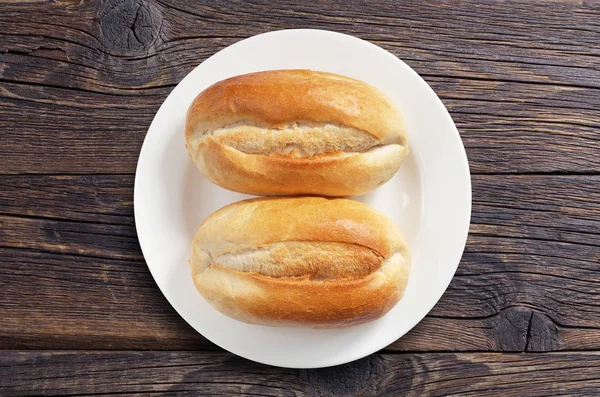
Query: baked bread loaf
x=300, y=261
x=285, y=132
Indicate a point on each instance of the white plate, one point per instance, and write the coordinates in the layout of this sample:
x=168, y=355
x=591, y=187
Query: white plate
x=429, y=198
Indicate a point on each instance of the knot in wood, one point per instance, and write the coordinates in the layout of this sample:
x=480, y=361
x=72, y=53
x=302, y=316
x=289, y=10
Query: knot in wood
x=518, y=328
x=129, y=26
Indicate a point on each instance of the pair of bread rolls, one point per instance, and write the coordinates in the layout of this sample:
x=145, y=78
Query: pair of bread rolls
x=298, y=261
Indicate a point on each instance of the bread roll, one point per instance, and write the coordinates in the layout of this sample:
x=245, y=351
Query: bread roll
x=287, y=132
x=300, y=261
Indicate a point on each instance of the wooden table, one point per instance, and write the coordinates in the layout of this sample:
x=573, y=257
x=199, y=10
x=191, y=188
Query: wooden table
x=79, y=84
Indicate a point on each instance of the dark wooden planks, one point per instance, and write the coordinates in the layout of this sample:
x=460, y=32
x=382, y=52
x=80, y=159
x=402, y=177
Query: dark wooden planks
x=513, y=40
x=510, y=127
x=189, y=373
x=79, y=85
x=529, y=279
x=106, y=199
x=81, y=302
x=520, y=79
x=81, y=215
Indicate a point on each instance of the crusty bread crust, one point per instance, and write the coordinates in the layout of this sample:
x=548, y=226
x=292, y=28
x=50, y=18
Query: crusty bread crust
x=295, y=132
x=300, y=261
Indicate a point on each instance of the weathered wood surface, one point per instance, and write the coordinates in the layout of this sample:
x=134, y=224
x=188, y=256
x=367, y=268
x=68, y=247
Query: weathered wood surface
x=521, y=79
x=79, y=85
x=529, y=279
x=197, y=373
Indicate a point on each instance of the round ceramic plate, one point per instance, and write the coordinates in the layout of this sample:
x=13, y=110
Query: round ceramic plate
x=429, y=198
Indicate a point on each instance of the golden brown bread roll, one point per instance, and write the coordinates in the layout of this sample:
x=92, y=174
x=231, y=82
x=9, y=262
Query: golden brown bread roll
x=295, y=132
x=300, y=261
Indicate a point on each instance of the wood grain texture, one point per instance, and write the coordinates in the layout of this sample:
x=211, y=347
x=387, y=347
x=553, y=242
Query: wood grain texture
x=79, y=85
x=529, y=279
x=208, y=374
x=519, y=78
